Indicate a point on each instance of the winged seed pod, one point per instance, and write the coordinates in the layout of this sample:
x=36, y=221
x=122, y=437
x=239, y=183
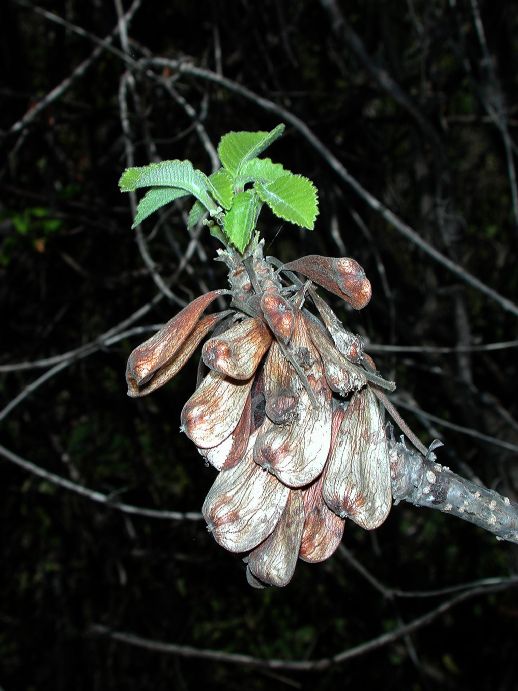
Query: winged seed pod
x=160, y=349
x=356, y=482
x=297, y=450
x=342, y=276
x=285, y=412
x=238, y=352
x=279, y=315
x=232, y=449
x=244, y=505
x=214, y=409
x=274, y=561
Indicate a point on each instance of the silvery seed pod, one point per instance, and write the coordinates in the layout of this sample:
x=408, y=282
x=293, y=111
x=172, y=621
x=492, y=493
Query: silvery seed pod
x=161, y=348
x=297, y=450
x=171, y=368
x=340, y=275
x=232, y=449
x=278, y=314
x=238, y=352
x=281, y=386
x=356, y=482
x=323, y=529
x=341, y=375
x=214, y=409
x=244, y=505
x=274, y=561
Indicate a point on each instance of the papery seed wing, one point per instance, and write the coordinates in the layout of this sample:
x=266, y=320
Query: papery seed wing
x=340, y=275
x=341, y=375
x=214, y=409
x=281, y=386
x=296, y=451
x=278, y=314
x=274, y=560
x=350, y=345
x=356, y=480
x=238, y=352
x=171, y=368
x=158, y=350
x=323, y=529
x=232, y=449
x=244, y=505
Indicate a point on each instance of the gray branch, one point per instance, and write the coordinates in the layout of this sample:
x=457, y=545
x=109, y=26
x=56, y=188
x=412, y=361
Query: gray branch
x=425, y=483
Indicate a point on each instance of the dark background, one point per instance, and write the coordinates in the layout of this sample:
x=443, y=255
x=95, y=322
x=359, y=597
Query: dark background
x=406, y=97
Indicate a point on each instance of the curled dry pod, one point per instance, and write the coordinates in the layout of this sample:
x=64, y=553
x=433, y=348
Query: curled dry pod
x=341, y=375
x=297, y=450
x=350, y=345
x=232, y=449
x=238, y=352
x=274, y=560
x=214, y=409
x=244, y=505
x=340, y=275
x=356, y=481
x=159, y=350
x=171, y=368
x=278, y=314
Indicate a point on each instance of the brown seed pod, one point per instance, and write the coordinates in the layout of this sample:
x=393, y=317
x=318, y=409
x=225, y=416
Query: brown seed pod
x=244, y=505
x=161, y=348
x=278, y=314
x=214, y=409
x=340, y=275
x=341, y=375
x=323, y=529
x=356, y=481
x=238, y=352
x=171, y=368
x=232, y=449
x=274, y=561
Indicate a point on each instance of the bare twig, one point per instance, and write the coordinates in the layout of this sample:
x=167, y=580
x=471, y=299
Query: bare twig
x=302, y=665
x=95, y=496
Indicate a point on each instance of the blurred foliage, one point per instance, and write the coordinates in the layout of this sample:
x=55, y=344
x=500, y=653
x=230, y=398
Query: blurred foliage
x=70, y=270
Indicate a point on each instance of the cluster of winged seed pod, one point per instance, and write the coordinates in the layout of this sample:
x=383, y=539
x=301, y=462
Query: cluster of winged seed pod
x=287, y=411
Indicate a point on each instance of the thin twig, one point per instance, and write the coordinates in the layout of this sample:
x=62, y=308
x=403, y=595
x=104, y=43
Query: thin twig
x=94, y=495
x=300, y=665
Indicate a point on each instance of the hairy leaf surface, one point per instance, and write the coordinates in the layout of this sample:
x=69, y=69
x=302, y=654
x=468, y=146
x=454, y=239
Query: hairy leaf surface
x=222, y=189
x=259, y=170
x=237, y=147
x=239, y=222
x=178, y=174
x=291, y=197
x=154, y=199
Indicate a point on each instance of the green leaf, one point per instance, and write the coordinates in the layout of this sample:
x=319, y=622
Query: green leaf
x=169, y=174
x=196, y=213
x=237, y=147
x=239, y=222
x=259, y=170
x=154, y=199
x=291, y=197
x=222, y=189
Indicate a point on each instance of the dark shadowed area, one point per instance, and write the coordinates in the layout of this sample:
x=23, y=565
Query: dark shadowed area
x=405, y=115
